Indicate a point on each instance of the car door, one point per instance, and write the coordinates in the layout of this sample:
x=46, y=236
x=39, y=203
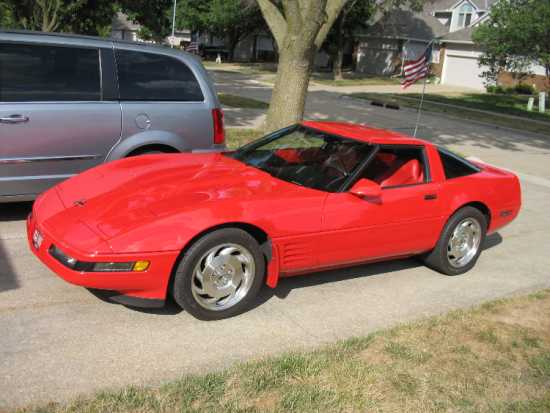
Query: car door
x=58, y=113
x=162, y=99
x=406, y=218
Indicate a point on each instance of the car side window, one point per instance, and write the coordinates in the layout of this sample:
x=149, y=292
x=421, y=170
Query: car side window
x=397, y=166
x=38, y=73
x=155, y=77
x=454, y=166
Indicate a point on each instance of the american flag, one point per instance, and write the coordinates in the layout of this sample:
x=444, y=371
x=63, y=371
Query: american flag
x=192, y=47
x=417, y=69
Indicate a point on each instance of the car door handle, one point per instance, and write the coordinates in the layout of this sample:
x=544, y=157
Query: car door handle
x=14, y=119
x=430, y=197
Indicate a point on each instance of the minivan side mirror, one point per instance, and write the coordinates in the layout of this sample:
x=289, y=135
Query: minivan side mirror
x=365, y=188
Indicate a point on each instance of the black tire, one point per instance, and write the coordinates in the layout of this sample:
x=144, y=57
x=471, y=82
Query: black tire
x=184, y=277
x=438, y=258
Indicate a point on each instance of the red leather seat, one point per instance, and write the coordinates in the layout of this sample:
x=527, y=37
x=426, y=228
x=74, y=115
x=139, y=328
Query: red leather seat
x=402, y=173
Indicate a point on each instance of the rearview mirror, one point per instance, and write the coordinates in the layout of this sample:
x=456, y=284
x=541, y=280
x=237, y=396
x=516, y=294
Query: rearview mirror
x=365, y=188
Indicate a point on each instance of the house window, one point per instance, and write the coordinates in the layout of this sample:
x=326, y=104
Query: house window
x=465, y=15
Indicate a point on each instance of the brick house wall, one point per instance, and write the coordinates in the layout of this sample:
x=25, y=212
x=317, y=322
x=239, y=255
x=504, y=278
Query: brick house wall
x=508, y=79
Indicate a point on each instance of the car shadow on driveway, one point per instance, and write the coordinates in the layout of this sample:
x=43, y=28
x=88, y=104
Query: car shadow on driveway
x=16, y=211
x=286, y=285
x=8, y=276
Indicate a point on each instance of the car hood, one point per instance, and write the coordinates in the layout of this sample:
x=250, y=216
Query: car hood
x=120, y=196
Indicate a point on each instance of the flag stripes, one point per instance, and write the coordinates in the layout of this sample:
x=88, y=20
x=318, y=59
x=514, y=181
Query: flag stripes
x=192, y=47
x=417, y=69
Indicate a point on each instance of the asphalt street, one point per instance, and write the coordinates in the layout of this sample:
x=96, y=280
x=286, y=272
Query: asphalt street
x=59, y=340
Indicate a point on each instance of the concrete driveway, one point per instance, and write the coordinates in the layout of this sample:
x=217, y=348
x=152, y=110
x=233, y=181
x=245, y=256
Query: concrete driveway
x=58, y=340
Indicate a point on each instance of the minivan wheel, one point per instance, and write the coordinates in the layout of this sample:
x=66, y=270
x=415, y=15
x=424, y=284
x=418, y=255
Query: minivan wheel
x=460, y=244
x=219, y=275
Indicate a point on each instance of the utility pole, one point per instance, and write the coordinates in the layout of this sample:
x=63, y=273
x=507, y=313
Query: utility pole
x=173, y=24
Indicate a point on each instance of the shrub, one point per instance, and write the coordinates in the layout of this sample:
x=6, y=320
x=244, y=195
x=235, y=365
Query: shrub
x=524, y=89
x=495, y=89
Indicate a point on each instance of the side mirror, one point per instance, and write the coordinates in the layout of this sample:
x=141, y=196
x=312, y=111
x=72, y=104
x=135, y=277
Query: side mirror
x=365, y=188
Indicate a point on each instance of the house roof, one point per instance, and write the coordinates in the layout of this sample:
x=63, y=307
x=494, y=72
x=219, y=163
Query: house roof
x=447, y=5
x=407, y=24
x=460, y=36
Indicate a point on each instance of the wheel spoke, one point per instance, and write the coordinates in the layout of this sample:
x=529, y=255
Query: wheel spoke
x=198, y=289
x=198, y=275
x=209, y=258
x=228, y=251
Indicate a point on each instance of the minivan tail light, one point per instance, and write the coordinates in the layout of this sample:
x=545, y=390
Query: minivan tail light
x=219, y=133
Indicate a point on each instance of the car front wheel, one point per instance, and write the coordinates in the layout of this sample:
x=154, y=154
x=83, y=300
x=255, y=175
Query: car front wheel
x=460, y=243
x=219, y=275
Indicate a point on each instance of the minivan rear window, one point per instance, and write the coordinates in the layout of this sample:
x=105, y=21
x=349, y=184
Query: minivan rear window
x=155, y=77
x=36, y=73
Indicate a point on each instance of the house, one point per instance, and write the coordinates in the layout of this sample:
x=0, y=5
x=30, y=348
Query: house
x=401, y=35
x=123, y=28
x=459, y=58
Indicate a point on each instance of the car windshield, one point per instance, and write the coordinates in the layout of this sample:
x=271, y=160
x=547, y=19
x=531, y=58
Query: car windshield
x=306, y=157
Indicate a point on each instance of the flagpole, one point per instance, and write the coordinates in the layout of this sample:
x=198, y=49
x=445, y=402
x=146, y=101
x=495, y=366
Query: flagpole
x=419, y=112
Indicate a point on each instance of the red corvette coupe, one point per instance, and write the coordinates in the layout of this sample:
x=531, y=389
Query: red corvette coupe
x=210, y=229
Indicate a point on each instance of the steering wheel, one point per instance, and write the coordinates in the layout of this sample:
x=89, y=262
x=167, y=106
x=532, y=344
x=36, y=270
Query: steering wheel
x=334, y=162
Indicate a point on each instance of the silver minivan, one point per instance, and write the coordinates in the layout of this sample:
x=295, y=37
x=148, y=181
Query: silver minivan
x=68, y=103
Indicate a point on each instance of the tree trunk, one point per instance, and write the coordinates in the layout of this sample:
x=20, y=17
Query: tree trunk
x=337, y=68
x=231, y=41
x=299, y=32
x=231, y=54
x=290, y=90
x=339, y=55
x=254, y=48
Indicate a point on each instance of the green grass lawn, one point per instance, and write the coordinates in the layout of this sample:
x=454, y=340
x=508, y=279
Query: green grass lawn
x=493, y=358
x=499, y=104
x=236, y=137
x=241, y=102
x=353, y=79
x=245, y=68
x=266, y=73
x=507, y=104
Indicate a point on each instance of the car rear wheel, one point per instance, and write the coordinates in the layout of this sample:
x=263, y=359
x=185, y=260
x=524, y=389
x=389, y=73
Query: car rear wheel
x=219, y=275
x=460, y=243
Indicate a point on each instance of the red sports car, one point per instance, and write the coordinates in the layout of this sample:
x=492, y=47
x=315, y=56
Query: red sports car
x=210, y=229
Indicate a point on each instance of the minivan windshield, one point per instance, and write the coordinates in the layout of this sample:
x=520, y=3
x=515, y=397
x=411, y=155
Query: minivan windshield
x=306, y=157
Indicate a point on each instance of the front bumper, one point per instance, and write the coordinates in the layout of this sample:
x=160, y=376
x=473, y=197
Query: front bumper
x=129, y=288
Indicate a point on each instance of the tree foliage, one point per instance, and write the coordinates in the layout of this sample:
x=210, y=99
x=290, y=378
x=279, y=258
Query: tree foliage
x=354, y=16
x=77, y=16
x=155, y=16
x=230, y=20
x=516, y=34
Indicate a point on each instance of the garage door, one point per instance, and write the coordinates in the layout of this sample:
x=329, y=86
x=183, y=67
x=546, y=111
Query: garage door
x=462, y=71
